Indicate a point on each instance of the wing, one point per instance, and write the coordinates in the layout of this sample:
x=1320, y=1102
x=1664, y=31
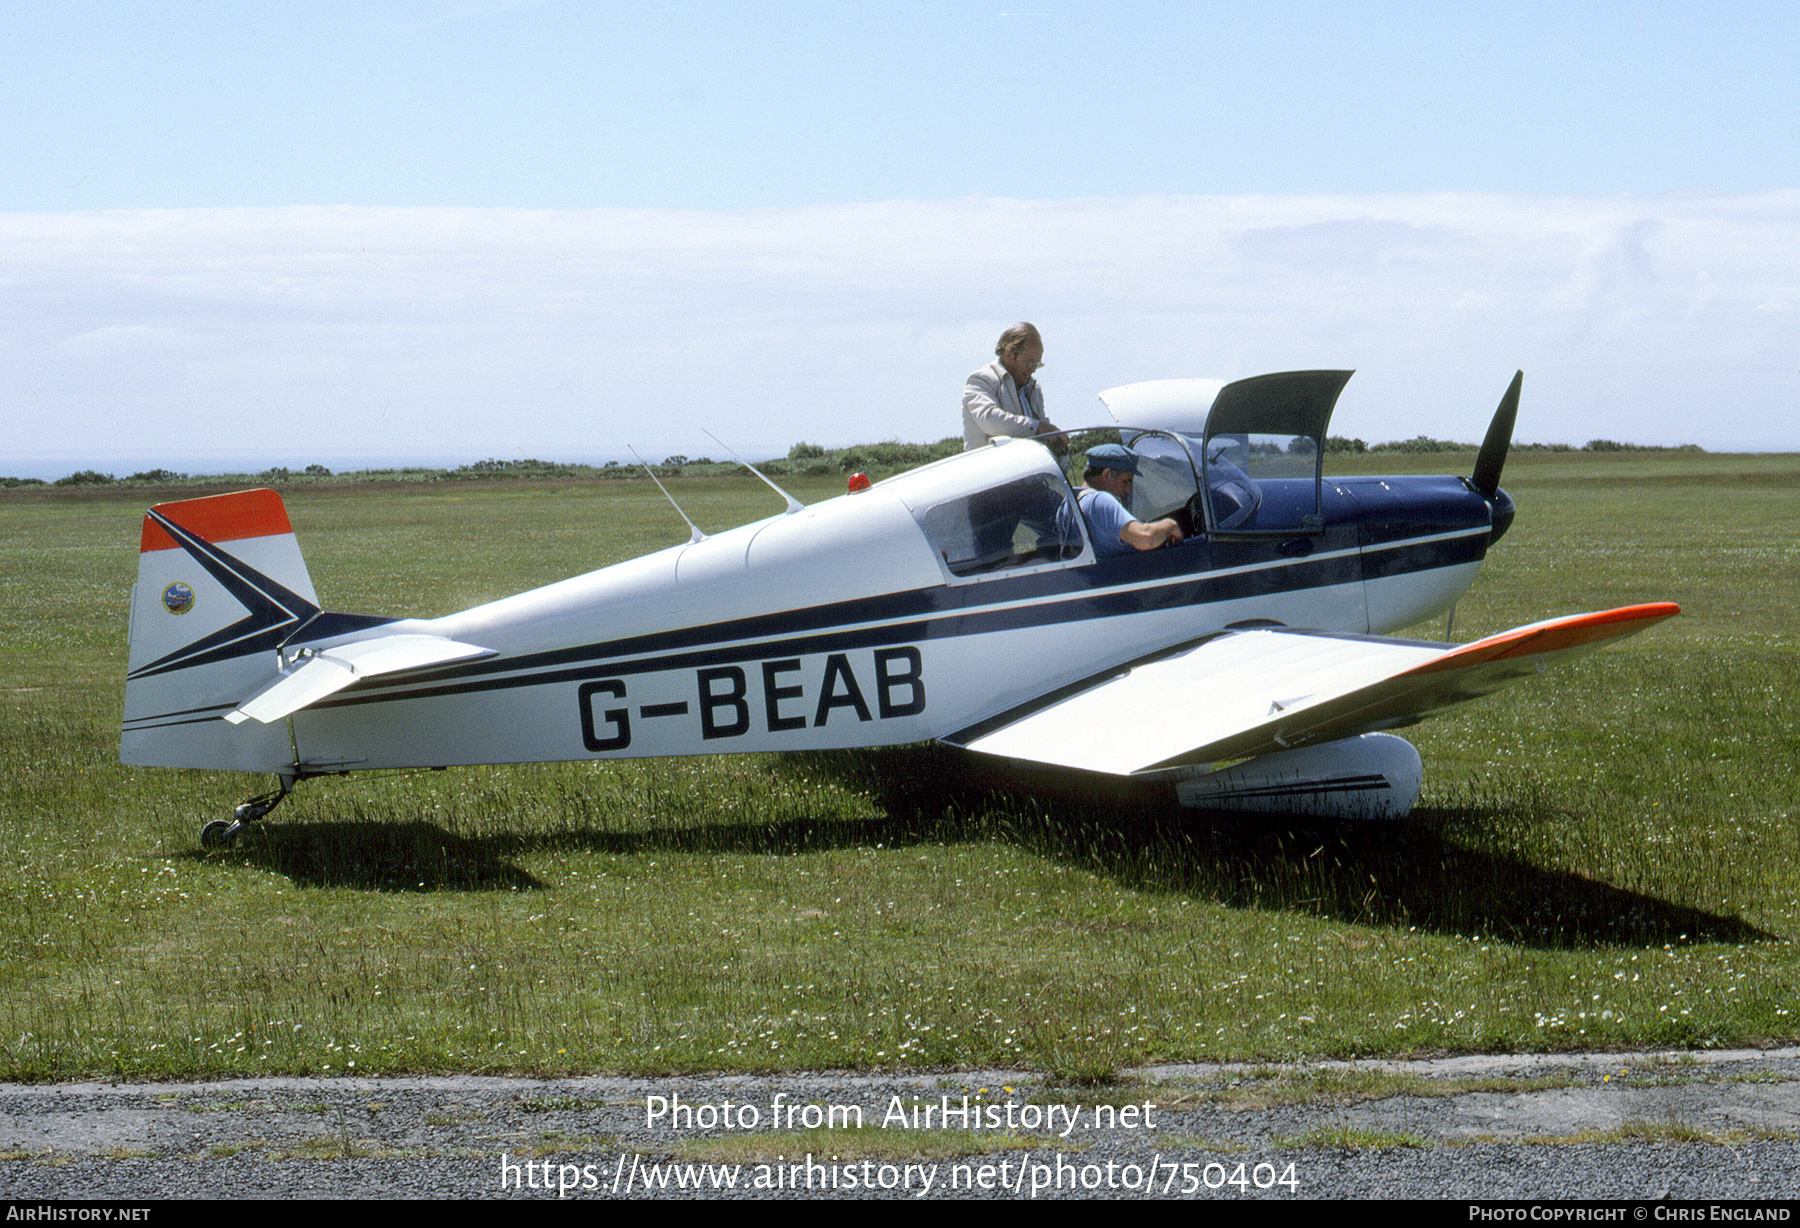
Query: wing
x=1247, y=693
x=326, y=672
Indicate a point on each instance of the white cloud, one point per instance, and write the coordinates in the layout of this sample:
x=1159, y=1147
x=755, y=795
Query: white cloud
x=365, y=333
x=122, y=341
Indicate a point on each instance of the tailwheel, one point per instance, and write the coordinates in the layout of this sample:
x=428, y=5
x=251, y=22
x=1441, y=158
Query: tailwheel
x=220, y=834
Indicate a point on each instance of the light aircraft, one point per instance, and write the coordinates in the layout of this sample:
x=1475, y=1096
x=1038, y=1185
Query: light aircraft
x=961, y=601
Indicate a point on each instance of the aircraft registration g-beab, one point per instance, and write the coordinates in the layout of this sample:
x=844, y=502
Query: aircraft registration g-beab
x=1248, y=666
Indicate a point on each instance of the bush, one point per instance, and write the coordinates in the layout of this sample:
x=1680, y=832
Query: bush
x=1423, y=443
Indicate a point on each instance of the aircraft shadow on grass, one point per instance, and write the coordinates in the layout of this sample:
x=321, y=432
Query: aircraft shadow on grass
x=1382, y=874
x=1392, y=874
x=381, y=855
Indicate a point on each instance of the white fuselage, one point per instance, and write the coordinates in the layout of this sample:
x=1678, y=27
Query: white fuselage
x=838, y=626
x=894, y=615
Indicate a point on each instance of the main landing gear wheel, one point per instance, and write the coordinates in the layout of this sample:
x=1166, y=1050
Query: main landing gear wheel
x=217, y=835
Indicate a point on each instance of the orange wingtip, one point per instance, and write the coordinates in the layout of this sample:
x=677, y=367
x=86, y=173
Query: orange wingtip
x=1555, y=635
x=218, y=518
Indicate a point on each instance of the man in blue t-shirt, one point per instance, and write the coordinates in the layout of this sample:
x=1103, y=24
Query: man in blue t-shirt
x=1106, y=487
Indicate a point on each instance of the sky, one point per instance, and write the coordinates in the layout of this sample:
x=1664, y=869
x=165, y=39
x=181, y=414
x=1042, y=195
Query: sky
x=241, y=235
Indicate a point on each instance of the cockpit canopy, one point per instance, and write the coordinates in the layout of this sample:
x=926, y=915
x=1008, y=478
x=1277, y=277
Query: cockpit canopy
x=1257, y=446
x=1000, y=510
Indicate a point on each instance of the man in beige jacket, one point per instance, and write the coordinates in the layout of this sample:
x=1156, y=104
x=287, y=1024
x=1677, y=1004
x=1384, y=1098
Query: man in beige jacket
x=1003, y=398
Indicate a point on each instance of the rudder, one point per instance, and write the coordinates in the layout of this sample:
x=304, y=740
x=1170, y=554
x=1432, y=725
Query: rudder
x=221, y=585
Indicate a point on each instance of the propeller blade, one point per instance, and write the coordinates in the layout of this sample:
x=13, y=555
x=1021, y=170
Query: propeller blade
x=1499, y=438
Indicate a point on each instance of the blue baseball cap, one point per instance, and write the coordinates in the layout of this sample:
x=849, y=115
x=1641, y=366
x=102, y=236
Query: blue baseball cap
x=1113, y=456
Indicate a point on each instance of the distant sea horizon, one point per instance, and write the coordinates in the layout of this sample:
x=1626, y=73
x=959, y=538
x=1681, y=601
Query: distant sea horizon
x=122, y=465
x=50, y=468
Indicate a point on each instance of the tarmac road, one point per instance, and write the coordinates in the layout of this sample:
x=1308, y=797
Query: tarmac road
x=1722, y=1125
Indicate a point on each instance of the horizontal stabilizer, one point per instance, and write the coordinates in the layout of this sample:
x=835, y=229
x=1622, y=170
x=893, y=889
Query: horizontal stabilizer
x=1248, y=693
x=318, y=674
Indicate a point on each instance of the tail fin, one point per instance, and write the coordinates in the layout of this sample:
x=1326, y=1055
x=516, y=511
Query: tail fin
x=221, y=584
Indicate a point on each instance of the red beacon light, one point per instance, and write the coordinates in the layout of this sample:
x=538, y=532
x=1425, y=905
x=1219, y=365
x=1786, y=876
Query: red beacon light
x=858, y=481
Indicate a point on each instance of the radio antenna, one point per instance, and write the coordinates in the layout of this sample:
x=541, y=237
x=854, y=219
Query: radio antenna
x=698, y=535
x=793, y=504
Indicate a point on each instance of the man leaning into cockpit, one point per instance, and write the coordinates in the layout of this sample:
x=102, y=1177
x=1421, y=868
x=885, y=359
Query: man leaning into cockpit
x=1105, y=492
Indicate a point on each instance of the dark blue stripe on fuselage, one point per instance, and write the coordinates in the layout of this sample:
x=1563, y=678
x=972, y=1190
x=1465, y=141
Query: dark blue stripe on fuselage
x=183, y=716
x=1406, y=558
x=1372, y=531
x=1101, y=590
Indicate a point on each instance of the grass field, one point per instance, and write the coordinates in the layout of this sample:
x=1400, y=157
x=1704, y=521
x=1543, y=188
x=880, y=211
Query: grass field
x=1602, y=858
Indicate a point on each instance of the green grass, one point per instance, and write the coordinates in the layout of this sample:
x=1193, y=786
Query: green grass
x=1349, y=1138
x=1603, y=858
x=1667, y=1130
